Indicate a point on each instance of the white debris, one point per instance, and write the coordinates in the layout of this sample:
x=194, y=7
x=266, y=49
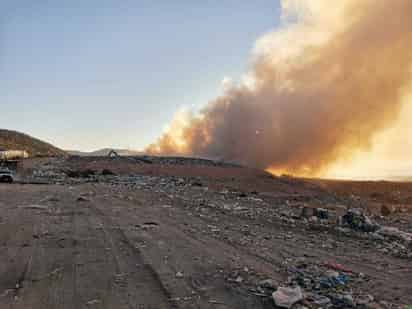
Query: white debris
x=93, y=302
x=179, y=275
x=393, y=232
x=286, y=297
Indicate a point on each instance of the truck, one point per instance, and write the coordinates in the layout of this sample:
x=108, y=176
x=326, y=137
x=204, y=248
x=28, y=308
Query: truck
x=6, y=175
x=13, y=154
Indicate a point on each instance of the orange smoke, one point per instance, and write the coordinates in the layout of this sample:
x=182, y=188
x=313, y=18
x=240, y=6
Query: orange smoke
x=323, y=85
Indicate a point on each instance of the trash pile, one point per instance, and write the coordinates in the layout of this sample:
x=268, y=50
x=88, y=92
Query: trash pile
x=328, y=285
x=389, y=240
x=323, y=285
x=355, y=223
x=357, y=220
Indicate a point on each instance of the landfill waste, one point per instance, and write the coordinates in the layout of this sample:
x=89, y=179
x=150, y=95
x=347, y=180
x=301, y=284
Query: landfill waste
x=179, y=275
x=327, y=285
x=385, y=210
x=306, y=212
x=267, y=286
x=286, y=297
x=107, y=172
x=82, y=199
x=321, y=213
x=298, y=223
x=337, y=266
x=93, y=302
x=357, y=220
x=395, y=233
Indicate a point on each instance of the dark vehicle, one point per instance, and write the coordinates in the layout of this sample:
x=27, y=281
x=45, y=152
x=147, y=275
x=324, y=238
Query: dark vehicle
x=6, y=176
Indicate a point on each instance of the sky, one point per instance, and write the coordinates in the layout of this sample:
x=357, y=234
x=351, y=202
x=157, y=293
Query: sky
x=103, y=73
x=91, y=74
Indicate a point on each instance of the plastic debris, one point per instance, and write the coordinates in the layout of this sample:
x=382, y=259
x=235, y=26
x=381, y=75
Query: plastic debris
x=286, y=297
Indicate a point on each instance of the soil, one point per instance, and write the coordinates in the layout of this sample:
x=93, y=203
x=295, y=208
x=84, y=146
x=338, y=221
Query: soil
x=164, y=234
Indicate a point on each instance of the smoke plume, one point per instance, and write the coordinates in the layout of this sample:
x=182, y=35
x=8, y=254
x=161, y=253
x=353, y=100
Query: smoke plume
x=318, y=90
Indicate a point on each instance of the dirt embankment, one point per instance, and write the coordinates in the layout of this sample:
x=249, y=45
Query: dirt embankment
x=12, y=140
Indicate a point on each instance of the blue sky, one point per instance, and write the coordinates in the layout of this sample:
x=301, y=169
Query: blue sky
x=89, y=74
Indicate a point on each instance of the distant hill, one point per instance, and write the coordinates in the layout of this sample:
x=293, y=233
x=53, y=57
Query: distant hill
x=104, y=152
x=12, y=140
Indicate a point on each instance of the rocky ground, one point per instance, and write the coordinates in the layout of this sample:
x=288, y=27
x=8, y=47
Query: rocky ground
x=175, y=233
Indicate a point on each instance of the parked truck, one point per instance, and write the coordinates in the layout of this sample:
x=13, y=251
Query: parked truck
x=13, y=155
x=6, y=175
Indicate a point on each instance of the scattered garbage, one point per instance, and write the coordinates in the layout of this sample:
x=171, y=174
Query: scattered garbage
x=35, y=207
x=396, y=234
x=238, y=279
x=386, y=210
x=357, y=220
x=338, y=267
x=306, y=212
x=197, y=184
x=363, y=300
x=151, y=223
x=107, y=172
x=321, y=213
x=266, y=287
x=86, y=173
x=93, y=302
x=50, y=199
x=82, y=198
x=179, y=275
x=148, y=225
x=326, y=285
x=313, y=284
x=318, y=300
x=286, y=297
x=268, y=284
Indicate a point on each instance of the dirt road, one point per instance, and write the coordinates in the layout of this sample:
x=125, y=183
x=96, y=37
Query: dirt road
x=167, y=244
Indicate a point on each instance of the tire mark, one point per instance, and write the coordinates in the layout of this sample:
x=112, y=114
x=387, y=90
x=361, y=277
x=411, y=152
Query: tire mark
x=117, y=236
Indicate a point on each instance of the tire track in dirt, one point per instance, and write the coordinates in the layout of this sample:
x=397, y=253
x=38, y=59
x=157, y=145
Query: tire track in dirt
x=297, y=249
x=278, y=250
x=201, y=257
x=49, y=277
x=18, y=258
x=144, y=287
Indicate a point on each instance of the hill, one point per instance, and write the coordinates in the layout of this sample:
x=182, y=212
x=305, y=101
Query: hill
x=20, y=141
x=104, y=152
